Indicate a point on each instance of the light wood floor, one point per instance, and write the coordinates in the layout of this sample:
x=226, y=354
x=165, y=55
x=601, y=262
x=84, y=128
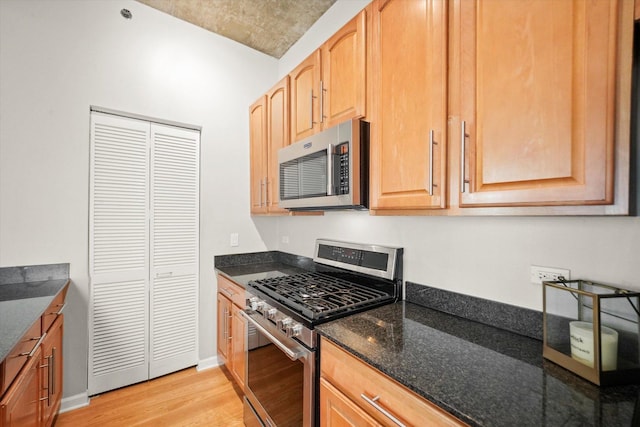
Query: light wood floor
x=185, y=398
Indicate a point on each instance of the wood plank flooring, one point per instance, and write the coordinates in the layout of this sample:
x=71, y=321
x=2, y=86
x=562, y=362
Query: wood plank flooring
x=184, y=398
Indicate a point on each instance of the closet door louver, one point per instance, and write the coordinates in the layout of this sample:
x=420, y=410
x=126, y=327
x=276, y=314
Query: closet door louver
x=174, y=248
x=119, y=252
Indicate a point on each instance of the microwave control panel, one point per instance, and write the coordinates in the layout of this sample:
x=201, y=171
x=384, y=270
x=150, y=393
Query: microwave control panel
x=342, y=151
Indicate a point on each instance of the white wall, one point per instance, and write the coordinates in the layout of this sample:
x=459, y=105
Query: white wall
x=487, y=257
x=59, y=57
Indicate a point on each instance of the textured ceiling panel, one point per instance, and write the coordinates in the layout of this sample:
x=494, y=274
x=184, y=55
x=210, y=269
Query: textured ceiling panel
x=270, y=26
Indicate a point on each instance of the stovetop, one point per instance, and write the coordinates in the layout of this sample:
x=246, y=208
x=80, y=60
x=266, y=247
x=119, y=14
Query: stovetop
x=318, y=296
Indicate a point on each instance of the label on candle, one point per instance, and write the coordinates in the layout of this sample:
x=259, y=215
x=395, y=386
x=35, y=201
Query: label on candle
x=582, y=345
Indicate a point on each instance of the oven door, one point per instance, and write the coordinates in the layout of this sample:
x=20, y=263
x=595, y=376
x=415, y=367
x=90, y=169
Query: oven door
x=280, y=376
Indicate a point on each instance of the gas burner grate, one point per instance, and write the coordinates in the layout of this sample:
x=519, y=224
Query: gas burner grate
x=317, y=296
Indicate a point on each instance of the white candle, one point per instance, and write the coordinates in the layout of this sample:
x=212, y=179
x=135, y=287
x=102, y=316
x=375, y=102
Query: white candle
x=582, y=345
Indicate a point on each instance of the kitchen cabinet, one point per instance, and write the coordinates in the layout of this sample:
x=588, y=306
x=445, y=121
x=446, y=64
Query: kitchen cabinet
x=501, y=108
x=409, y=117
x=34, y=372
x=20, y=407
x=277, y=138
x=355, y=393
x=305, y=104
x=329, y=86
x=537, y=101
x=51, y=374
x=258, y=154
x=231, y=328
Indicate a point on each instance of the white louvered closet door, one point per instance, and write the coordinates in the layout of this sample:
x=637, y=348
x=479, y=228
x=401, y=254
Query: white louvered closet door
x=119, y=253
x=144, y=224
x=174, y=248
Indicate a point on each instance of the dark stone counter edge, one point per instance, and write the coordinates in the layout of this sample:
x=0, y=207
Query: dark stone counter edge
x=33, y=273
x=220, y=262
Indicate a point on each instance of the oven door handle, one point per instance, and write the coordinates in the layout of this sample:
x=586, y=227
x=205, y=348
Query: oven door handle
x=292, y=353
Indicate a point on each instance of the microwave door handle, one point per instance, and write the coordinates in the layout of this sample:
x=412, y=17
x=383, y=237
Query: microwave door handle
x=330, y=183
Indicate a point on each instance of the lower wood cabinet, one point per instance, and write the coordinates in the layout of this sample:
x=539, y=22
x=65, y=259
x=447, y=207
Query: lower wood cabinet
x=353, y=393
x=20, y=406
x=35, y=392
x=231, y=328
x=51, y=372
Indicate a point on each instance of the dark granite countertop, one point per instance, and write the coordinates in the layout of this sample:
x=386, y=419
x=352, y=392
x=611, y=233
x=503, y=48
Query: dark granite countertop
x=242, y=268
x=483, y=375
x=25, y=293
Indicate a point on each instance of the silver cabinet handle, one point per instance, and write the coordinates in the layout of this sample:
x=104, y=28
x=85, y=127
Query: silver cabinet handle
x=224, y=324
x=229, y=316
x=62, y=306
x=374, y=402
x=228, y=292
x=311, y=110
x=322, y=91
x=35, y=347
x=261, y=184
x=266, y=194
x=431, y=162
x=463, y=137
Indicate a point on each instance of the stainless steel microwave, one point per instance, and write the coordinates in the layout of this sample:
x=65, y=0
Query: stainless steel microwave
x=329, y=170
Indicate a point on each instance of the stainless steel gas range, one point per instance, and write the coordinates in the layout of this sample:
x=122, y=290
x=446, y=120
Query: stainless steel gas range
x=282, y=313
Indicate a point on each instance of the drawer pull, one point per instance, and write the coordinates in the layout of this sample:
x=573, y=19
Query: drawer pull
x=228, y=292
x=57, y=313
x=374, y=402
x=35, y=347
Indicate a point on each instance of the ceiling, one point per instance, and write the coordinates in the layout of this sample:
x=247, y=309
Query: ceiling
x=269, y=26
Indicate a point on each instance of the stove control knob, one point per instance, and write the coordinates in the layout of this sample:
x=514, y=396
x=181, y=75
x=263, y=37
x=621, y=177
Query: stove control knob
x=265, y=307
x=284, y=323
x=257, y=304
x=295, y=330
x=271, y=313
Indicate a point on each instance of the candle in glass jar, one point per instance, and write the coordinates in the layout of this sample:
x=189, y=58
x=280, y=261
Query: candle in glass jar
x=582, y=345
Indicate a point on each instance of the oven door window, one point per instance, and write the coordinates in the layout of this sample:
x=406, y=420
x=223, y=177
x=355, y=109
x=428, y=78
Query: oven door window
x=276, y=381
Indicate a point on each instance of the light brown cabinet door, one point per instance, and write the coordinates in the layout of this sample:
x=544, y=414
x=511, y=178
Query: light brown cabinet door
x=343, y=87
x=336, y=409
x=408, y=127
x=20, y=407
x=52, y=372
x=277, y=137
x=258, y=154
x=238, y=328
x=537, y=95
x=305, y=84
x=224, y=328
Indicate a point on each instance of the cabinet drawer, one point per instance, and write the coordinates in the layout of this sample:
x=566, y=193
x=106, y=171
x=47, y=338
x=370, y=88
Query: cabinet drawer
x=231, y=290
x=359, y=382
x=18, y=356
x=55, y=308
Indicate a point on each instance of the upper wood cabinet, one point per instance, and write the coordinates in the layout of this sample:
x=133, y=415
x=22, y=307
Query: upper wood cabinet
x=305, y=92
x=277, y=138
x=343, y=85
x=329, y=86
x=258, y=155
x=269, y=131
x=409, y=118
x=537, y=101
x=491, y=107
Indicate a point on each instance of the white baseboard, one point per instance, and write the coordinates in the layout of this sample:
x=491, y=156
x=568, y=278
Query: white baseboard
x=74, y=402
x=211, y=362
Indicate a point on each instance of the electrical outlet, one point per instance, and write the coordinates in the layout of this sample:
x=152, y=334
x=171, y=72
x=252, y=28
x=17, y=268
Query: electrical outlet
x=540, y=274
x=233, y=239
x=285, y=240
